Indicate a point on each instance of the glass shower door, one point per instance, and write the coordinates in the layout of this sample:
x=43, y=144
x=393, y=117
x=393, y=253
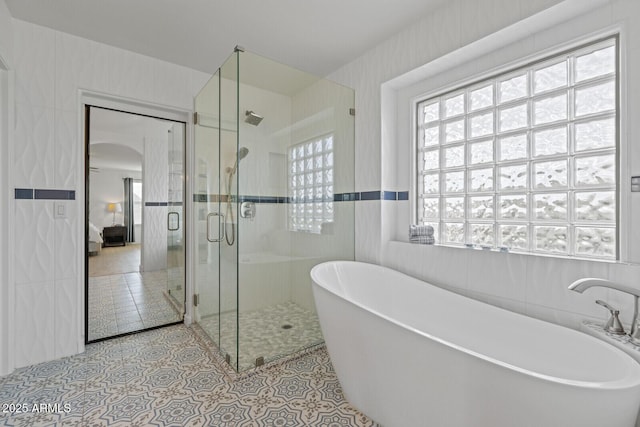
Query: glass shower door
x=207, y=214
x=229, y=173
x=216, y=151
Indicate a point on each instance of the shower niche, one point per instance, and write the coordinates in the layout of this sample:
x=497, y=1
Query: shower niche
x=274, y=173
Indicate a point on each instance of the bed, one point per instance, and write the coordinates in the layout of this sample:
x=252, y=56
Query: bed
x=95, y=240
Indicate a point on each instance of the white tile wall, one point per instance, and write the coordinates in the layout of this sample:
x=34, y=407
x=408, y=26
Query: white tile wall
x=50, y=70
x=34, y=241
x=34, y=324
x=66, y=317
x=34, y=64
x=6, y=34
x=33, y=146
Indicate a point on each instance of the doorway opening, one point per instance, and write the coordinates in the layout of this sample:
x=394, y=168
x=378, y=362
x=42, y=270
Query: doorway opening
x=134, y=222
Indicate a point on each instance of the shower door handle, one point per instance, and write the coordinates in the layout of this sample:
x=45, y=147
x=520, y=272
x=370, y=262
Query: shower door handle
x=220, y=228
x=169, y=221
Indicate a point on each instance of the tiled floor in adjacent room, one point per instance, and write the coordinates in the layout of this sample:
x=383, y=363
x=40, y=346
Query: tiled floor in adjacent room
x=122, y=303
x=167, y=377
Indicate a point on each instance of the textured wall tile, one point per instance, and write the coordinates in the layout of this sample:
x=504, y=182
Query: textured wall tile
x=34, y=241
x=154, y=238
x=67, y=244
x=34, y=62
x=65, y=150
x=130, y=75
x=368, y=231
x=170, y=87
x=548, y=280
x=75, y=65
x=34, y=326
x=155, y=170
x=50, y=69
x=6, y=34
x=506, y=278
x=563, y=318
x=66, y=318
x=33, y=147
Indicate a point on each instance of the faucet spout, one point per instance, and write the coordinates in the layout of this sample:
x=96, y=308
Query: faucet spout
x=589, y=282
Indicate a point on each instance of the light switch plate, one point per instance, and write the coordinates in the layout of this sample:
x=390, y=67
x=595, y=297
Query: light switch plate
x=59, y=210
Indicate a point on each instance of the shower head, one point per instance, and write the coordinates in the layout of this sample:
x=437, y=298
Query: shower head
x=252, y=118
x=241, y=154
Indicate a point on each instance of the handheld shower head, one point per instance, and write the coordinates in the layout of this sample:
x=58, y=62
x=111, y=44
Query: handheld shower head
x=252, y=118
x=241, y=154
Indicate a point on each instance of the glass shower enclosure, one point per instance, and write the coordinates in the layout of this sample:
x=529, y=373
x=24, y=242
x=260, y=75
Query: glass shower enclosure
x=273, y=196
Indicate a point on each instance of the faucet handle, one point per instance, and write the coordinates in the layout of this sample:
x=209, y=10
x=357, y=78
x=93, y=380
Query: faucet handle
x=613, y=325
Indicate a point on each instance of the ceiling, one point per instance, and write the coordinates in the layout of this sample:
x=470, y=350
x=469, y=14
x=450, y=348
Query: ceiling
x=317, y=36
x=117, y=138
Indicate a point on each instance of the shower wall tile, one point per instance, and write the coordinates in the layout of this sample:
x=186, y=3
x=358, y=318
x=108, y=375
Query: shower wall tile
x=66, y=320
x=34, y=325
x=34, y=241
x=33, y=147
x=34, y=62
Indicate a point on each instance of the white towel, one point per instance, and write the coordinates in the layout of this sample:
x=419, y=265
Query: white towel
x=421, y=234
x=420, y=230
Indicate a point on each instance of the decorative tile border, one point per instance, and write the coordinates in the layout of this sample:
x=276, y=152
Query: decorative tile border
x=340, y=197
x=44, y=194
x=52, y=194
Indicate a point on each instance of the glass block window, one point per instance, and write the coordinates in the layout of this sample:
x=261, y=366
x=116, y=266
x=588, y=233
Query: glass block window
x=525, y=160
x=311, y=184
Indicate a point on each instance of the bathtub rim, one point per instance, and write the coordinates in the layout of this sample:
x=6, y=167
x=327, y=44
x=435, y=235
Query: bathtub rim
x=625, y=382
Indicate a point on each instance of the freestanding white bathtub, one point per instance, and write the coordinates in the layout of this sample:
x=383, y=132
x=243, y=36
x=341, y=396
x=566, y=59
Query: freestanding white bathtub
x=408, y=353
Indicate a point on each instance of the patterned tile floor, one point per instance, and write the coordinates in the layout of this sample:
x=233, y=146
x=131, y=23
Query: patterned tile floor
x=270, y=332
x=129, y=302
x=167, y=377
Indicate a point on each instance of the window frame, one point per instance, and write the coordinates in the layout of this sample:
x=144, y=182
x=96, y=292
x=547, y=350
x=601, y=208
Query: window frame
x=504, y=73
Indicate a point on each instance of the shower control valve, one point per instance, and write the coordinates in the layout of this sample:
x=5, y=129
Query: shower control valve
x=248, y=210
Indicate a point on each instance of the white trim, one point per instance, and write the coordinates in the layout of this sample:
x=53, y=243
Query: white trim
x=104, y=100
x=7, y=286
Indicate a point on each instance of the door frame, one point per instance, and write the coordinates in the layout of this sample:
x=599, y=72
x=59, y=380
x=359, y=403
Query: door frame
x=88, y=99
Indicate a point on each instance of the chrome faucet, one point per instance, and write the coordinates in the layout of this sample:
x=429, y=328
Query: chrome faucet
x=584, y=284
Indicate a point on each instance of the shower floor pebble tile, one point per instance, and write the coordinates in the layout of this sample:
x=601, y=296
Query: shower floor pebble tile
x=169, y=377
